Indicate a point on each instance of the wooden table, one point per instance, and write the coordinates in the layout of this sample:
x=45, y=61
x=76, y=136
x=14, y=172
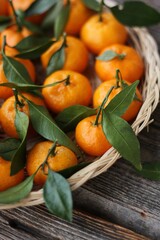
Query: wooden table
x=118, y=204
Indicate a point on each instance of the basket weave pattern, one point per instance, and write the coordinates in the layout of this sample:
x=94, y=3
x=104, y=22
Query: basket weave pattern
x=146, y=46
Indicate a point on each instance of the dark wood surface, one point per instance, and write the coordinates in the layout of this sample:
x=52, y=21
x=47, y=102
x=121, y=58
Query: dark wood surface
x=118, y=204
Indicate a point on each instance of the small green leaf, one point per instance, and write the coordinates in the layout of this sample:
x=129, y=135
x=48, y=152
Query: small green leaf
x=43, y=124
x=61, y=20
x=15, y=71
x=15, y=194
x=5, y=22
x=136, y=13
x=57, y=195
x=32, y=46
x=8, y=147
x=121, y=136
x=92, y=4
x=120, y=103
x=109, y=55
x=40, y=6
x=32, y=27
x=151, y=170
x=70, y=117
x=70, y=171
x=56, y=61
x=21, y=124
x=52, y=15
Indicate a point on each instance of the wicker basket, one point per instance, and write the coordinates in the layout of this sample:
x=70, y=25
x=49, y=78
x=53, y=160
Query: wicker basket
x=146, y=46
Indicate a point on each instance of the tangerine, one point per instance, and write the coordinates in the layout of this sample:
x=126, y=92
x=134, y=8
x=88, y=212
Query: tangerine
x=79, y=14
x=7, y=112
x=62, y=158
x=130, y=65
x=90, y=137
x=98, y=34
x=76, y=89
x=76, y=54
x=7, y=181
x=104, y=88
x=4, y=8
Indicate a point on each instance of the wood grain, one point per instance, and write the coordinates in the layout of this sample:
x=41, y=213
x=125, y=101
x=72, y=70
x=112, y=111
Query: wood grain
x=22, y=224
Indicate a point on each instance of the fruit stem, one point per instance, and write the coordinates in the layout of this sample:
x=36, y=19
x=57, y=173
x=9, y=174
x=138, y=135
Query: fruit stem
x=101, y=10
x=18, y=102
x=118, y=78
x=18, y=23
x=51, y=152
x=67, y=80
x=102, y=105
x=4, y=44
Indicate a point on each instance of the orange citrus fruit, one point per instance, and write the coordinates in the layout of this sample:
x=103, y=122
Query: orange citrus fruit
x=62, y=159
x=4, y=8
x=13, y=36
x=98, y=34
x=90, y=137
x=76, y=54
x=104, y=88
x=7, y=112
x=76, y=89
x=131, y=65
x=6, y=92
x=7, y=181
x=78, y=15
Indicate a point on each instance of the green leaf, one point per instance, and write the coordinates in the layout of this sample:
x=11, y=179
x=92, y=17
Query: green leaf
x=5, y=22
x=120, y=103
x=109, y=55
x=151, y=170
x=57, y=196
x=43, y=124
x=121, y=136
x=19, y=159
x=32, y=46
x=4, y=25
x=61, y=20
x=70, y=117
x=136, y=13
x=68, y=172
x=56, y=61
x=8, y=147
x=32, y=27
x=15, y=71
x=92, y=4
x=18, y=192
x=40, y=6
x=52, y=15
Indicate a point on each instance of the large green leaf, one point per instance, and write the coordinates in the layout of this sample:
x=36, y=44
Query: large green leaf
x=121, y=136
x=32, y=46
x=8, y=147
x=70, y=117
x=44, y=125
x=57, y=196
x=120, y=103
x=18, y=192
x=151, y=170
x=61, y=20
x=19, y=158
x=136, y=13
x=40, y=6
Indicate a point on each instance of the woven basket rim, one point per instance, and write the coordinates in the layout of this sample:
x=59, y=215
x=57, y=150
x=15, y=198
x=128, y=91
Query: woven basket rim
x=145, y=44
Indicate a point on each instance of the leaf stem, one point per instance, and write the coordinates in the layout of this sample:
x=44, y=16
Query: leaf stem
x=102, y=105
x=51, y=152
x=18, y=23
x=118, y=78
x=18, y=102
x=3, y=45
x=101, y=10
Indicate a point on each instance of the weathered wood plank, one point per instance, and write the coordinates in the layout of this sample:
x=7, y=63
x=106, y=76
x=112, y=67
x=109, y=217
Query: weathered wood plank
x=39, y=224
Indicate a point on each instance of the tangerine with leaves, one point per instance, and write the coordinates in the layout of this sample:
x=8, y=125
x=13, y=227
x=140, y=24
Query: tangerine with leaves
x=90, y=137
x=124, y=58
x=6, y=92
x=8, y=112
x=75, y=56
x=7, y=181
x=74, y=89
x=60, y=159
x=103, y=89
x=100, y=32
x=78, y=15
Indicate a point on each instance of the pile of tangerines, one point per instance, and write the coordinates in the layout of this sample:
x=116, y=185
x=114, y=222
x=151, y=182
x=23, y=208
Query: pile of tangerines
x=88, y=35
